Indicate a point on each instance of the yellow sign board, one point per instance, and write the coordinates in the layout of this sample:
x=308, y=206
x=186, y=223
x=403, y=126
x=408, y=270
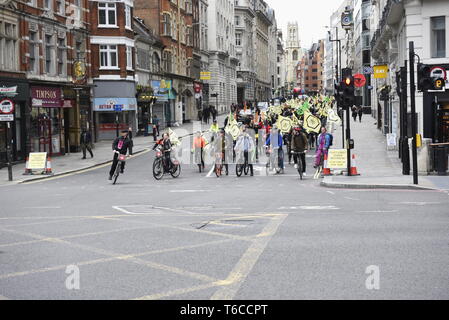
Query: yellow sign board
x=37, y=160
x=381, y=71
x=337, y=159
x=205, y=75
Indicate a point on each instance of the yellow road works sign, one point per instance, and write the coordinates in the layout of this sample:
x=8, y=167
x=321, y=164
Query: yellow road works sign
x=337, y=159
x=381, y=71
x=37, y=160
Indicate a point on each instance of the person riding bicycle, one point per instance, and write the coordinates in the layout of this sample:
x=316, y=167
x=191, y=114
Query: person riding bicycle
x=299, y=144
x=214, y=130
x=275, y=142
x=166, y=150
x=322, y=146
x=121, y=145
x=223, y=144
x=199, y=143
x=246, y=145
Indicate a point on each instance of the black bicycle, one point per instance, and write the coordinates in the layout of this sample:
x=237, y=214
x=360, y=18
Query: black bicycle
x=242, y=165
x=121, y=159
x=299, y=167
x=159, y=168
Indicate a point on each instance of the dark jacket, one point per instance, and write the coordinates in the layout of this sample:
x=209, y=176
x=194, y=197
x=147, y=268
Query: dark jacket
x=125, y=145
x=85, y=137
x=299, y=142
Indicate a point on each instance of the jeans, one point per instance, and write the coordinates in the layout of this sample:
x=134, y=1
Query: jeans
x=85, y=146
x=302, y=156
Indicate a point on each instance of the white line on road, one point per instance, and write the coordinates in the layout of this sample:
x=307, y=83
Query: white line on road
x=42, y=207
x=310, y=208
x=187, y=191
x=349, y=198
x=210, y=172
x=378, y=211
x=331, y=192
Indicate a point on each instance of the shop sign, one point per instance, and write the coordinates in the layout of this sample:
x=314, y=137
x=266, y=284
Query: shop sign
x=8, y=91
x=67, y=104
x=162, y=89
x=115, y=104
x=46, y=97
x=6, y=106
x=205, y=75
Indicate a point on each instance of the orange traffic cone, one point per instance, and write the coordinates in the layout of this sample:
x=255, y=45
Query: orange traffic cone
x=48, y=167
x=326, y=170
x=27, y=169
x=353, y=167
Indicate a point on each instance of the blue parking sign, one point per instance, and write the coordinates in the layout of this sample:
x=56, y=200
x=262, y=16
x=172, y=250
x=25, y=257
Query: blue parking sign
x=118, y=107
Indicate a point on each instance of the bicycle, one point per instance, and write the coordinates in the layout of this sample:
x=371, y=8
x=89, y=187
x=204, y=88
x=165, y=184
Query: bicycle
x=159, y=168
x=319, y=168
x=273, y=161
x=297, y=155
x=121, y=159
x=219, y=162
x=242, y=167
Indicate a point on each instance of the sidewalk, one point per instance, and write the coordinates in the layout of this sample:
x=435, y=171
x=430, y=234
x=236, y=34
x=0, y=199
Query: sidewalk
x=378, y=167
x=102, y=155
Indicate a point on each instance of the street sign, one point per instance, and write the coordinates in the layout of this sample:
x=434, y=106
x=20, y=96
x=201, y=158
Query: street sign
x=381, y=71
x=6, y=106
x=368, y=70
x=6, y=117
x=205, y=75
x=337, y=159
x=37, y=160
x=118, y=107
x=359, y=80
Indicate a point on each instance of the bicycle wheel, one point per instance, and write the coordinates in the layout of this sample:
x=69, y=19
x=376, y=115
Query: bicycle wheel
x=300, y=167
x=238, y=169
x=116, y=173
x=158, y=170
x=175, y=171
x=218, y=168
x=267, y=168
x=246, y=168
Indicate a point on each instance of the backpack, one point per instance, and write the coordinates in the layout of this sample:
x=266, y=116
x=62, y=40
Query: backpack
x=331, y=138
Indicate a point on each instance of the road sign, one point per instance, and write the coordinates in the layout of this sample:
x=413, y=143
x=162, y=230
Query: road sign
x=37, y=160
x=205, y=75
x=359, y=80
x=118, y=107
x=337, y=159
x=6, y=106
x=368, y=70
x=381, y=71
x=6, y=117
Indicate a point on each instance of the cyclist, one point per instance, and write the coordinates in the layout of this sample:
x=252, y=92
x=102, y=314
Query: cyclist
x=121, y=144
x=299, y=144
x=275, y=141
x=166, y=150
x=214, y=129
x=245, y=144
x=322, y=146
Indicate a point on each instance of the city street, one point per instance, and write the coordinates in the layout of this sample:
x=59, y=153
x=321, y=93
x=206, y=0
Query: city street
x=200, y=237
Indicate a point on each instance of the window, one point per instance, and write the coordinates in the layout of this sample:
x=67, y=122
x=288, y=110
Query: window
x=237, y=20
x=166, y=25
x=49, y=49
x=167, y=61
x=108, y=57
x=107, y=14
x=156, y=62
x=48, y=4
x=129, y=58
x=61, y=56
x=295, y=55
x=127, y=16
x=238, y=39
x=32, y=66
x=438, y=25
x=60, y=7
x=8, y=46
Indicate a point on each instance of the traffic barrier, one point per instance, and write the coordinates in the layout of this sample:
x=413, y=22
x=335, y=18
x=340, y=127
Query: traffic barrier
x=28, y=171
x=326, y=169
x=48, y=167
x=353, y=167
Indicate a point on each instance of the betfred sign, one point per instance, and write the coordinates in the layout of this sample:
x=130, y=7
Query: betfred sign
x=6, y=106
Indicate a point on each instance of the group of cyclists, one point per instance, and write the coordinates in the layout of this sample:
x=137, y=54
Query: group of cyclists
x=254, y=138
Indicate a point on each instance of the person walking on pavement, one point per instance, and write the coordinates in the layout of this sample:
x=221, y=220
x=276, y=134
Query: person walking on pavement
x=86, y=143
x=121, y=145
x=354, y=113
x=299, y=144
x=156, y=123
x=323, y=143
x=360, y=112
x=131, y=143
x=199, y=143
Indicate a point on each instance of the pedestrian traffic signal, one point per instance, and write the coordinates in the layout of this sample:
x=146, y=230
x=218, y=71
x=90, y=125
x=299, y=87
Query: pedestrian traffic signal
x=424, y=79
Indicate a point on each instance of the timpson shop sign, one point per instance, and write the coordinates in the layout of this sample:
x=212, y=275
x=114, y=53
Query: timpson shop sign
x=46, y=97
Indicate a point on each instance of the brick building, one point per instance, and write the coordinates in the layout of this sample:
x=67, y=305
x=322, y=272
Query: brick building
x=44, y=70
x=310, y=69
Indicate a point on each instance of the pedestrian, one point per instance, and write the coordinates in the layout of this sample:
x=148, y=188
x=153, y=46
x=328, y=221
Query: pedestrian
x=354, y=113
x=156, y=123
x=323, y=144
x=199, y=143
x=360, y=111
x=131, y=143
x=86, y=143
x=214, y=113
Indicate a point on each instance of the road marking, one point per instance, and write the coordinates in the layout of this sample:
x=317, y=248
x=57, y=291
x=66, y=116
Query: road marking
x=378, y=211
x=178, y=291
x=349, y=198
x=246, y=263
x=416, y=203
x=310, y=208
x=187, y=191
x=210, y=172
x=331, y=192
x=42, y=207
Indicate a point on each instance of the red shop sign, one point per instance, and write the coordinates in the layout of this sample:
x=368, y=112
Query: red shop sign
x=46, y=97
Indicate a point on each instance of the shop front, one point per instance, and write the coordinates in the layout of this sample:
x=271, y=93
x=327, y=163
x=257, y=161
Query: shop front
x=112, y=115
x=164, y=107
x=18, y=92
x=145, y=100
x=47, y=120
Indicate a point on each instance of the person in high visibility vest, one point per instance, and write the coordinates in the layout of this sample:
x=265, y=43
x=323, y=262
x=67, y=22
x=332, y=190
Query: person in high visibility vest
x=214, y=129
x=198, y=145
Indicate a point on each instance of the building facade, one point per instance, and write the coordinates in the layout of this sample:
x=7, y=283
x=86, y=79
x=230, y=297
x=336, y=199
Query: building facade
x=311, y=69
x=292, y=54
x=262, y=51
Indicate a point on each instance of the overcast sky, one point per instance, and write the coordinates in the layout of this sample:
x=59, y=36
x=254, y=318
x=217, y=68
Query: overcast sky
x=312, y=16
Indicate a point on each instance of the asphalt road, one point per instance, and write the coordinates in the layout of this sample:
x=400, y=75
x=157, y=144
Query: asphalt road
x=199, y=237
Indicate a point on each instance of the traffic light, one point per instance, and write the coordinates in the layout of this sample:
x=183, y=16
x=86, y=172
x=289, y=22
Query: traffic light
x=348, y=89
x=338, y=94
x=424, y=79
